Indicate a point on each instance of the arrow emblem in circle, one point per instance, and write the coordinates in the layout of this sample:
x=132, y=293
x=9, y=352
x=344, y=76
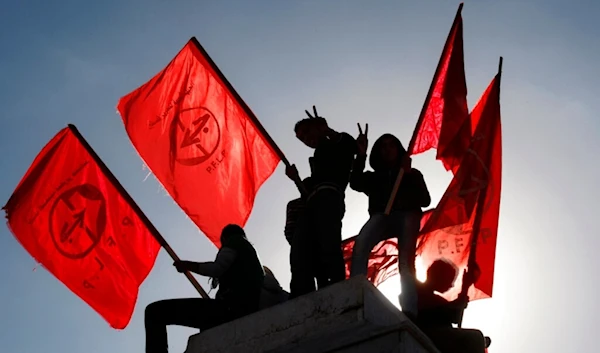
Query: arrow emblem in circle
x=77, y=220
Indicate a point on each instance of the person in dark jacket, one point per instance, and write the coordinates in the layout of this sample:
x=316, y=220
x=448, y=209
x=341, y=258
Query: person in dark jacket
x=295, y=208
x=325, y=207
x=387, y=157
x=240, y=275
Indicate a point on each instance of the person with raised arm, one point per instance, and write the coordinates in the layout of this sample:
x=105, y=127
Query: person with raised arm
x=387, y=157
x=240, y=276
x=316, y=250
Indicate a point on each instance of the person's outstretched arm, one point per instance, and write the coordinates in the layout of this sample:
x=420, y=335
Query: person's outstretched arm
x=216, y=268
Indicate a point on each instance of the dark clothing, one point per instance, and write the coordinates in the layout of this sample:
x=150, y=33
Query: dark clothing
x=434, y=310
x=333, y=159
x=378, y=185
x=435, y=319
x=240, y=286
x=326, y=209
x=316, y=244
x=240, y=276
x=293, y=212
x=455, y=340
x=403, y=221
x=197, y=313
x=316, y=250
x=272, y=293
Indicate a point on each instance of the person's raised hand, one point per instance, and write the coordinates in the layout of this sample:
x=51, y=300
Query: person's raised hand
x=181, y=266
x=316, y=115
x=362, y=141
x=292, y=172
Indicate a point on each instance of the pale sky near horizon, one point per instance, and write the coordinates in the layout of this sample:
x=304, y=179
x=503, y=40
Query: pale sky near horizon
x=357, y=61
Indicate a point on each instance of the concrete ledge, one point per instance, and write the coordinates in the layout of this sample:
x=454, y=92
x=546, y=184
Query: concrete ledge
x=340, y=318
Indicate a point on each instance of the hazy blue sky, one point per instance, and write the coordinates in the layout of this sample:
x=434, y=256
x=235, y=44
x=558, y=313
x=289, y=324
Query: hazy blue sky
x=358, y=61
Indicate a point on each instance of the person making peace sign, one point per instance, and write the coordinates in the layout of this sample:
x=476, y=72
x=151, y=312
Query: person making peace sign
x=387, y=157
x=316, y=250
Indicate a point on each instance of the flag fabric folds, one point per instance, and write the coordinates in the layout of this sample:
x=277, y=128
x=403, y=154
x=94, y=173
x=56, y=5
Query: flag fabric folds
x=200, y=140
x=444, y=125
x=464, y=225
x=70, y=217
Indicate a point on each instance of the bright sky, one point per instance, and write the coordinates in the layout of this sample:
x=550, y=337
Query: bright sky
x=369, y=62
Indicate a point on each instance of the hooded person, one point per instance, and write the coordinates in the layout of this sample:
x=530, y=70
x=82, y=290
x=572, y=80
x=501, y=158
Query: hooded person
x=388, y=156
x=240, y=276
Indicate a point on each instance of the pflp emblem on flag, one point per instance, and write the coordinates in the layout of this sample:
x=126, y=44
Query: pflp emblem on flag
x=195, y=136
x=77, y=220
x=200, y=140
x=69, y=214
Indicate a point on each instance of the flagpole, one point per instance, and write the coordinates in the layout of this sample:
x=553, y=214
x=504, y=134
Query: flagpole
x=478, y=213
x=248, y=112
x=115, y=182
x=388, y=207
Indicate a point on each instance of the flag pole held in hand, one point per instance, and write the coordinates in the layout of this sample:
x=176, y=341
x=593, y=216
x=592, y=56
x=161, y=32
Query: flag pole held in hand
x=401, y=173
x=159, y=238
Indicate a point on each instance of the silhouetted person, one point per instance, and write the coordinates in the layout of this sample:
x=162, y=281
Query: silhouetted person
x=295, y=208
x=436, y=314
x=387, y=157
x=240, y=276
x=325, y=207
x=272, y=293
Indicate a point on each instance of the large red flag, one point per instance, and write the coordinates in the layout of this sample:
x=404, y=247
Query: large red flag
x=200, y=140
x=444, y=125
x=69, y=215
x=464, y=226
x=465, y=222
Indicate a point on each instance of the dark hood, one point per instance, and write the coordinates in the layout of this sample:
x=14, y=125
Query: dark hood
x=376, y=159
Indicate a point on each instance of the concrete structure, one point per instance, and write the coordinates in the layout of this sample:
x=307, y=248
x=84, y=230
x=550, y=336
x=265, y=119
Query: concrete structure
x=352, y=316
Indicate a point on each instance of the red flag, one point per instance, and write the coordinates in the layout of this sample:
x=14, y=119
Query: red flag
x=466, y=219
x=200, y=140
x=383, y=260
x=445, y=124
x=469, y=208
x=67, y=213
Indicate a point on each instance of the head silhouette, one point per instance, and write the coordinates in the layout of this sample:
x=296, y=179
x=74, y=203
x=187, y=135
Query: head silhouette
x=387, y=152
x=441, y=275
x=311, y=130
x=232, y=233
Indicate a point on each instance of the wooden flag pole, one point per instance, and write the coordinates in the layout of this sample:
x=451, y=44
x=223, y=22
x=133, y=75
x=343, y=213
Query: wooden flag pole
x=390, y=203
x=249, y=112
x=135, y=207
x=478, y=215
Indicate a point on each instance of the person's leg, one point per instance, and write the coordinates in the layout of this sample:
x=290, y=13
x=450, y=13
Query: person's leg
x=328, y=208
x=370, y=235
x=408, y=225
x=301, y=258
x=195, y=312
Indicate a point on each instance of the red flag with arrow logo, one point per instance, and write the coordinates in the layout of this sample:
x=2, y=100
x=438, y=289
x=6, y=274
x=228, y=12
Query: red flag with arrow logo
x=200, y=140
x=68, y=215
